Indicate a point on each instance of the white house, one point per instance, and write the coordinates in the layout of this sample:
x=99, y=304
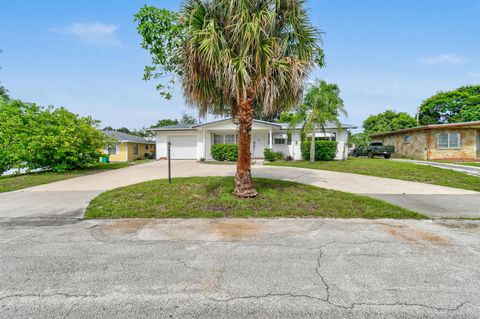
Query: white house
x=195, y=141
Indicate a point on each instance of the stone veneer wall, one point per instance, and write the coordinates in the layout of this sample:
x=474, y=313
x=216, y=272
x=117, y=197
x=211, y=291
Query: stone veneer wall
x=423, y=144
x=415, y=149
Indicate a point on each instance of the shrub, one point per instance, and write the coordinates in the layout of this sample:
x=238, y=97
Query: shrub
x=324, y=150
x=279, y=156
x=37, y=137
x=269, y=155
x=225, y=152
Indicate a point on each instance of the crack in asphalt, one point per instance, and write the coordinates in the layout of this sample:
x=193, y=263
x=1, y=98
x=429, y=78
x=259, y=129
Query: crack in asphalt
x=349, y=307
x=66, y=295
x=317, y=271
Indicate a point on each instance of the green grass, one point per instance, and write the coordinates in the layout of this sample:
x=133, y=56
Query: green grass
x=16, y=182
x=212, y=197
x=393, y=169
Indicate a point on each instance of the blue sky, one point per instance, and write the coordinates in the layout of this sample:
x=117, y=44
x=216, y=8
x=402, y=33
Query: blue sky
x=85, y=55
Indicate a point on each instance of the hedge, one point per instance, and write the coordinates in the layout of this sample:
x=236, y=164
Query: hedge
x=225, y=152
x=324, y=150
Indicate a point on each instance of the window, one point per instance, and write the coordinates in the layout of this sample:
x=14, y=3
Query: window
x=146, y=147
x=112, y=149
x=224, y=138
x=279, y=141
x=135, y=149
x=449, y=140
x=407, y=139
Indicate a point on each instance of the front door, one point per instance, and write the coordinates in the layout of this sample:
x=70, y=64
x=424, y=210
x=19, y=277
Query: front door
x=258, y=144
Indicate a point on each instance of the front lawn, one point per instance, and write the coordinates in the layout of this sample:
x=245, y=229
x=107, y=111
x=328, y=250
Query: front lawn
x=212, y=197
x=393, y=169
x=16, y=182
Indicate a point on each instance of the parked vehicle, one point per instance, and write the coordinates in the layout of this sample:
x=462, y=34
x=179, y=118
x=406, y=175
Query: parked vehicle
x=374, y=149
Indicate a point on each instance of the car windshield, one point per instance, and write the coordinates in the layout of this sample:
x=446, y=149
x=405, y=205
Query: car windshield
x=377, y=144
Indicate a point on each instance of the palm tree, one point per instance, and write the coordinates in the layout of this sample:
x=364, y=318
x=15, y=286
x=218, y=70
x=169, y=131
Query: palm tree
x=246, y=55
x=322, y=104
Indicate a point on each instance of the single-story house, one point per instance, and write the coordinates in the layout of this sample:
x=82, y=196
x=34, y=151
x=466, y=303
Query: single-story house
x=128, y=147
x=454, y=141
x=195, y=141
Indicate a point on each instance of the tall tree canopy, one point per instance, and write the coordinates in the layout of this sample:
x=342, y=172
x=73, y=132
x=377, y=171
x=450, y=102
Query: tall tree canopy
x=460, y=105
x=165, y=122
x=237, y=54
x=388, y=121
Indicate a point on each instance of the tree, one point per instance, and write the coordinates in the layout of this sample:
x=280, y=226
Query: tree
x=4, y=94
x=108, y=128
x=124, y=130
x=237, y=54
x=165, y=122
x=388, y=121
x=188, y=119
x=460, y=105
x=33, y=137
x=322, y=104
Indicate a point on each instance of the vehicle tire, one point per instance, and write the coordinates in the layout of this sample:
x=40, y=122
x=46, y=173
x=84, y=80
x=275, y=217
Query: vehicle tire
x=387, y=156
x=370, y=154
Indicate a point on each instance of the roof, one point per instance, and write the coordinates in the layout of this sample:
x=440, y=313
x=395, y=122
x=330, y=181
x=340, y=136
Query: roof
x=428, y=127
x=124, y=137
x=186, y=127
x=176, y=127
x=328, y=125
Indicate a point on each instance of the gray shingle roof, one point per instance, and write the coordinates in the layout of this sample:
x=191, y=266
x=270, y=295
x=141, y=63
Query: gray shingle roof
x=123, y=137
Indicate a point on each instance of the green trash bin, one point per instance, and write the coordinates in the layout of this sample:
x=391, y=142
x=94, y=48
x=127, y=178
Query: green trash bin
x=105, y=159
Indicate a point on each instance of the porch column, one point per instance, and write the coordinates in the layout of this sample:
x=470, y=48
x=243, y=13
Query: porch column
x=270, y=139
x=204, y=144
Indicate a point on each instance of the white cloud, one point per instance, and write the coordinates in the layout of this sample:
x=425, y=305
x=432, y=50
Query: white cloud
x=95, y=33
x=448, y=58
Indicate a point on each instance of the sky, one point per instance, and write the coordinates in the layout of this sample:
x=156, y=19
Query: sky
x=86, y=55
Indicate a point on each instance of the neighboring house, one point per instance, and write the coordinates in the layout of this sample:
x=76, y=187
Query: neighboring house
x=455, y=141
x=128, y=147
x=195, y=141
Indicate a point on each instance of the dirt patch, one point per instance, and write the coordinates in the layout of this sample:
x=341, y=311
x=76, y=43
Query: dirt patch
x=127, y=226
x=415, y=235
x=235, y=229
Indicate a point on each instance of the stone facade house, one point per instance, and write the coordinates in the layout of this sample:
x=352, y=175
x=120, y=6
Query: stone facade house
x=455, y=141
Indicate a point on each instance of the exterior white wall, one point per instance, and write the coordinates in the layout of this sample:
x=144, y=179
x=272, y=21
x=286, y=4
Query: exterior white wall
x=260, y=131
x=294, y=149
x=161, y=145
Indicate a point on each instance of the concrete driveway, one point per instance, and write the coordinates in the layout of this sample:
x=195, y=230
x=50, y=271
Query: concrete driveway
x=68, y=199
x=240, y=268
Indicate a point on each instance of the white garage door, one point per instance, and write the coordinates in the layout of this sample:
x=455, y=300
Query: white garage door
x=183, y=147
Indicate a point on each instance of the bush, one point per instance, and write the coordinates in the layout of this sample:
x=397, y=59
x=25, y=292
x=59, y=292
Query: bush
x=324, y=150
x=269, y=155
x=225, y=152
x=33, y=137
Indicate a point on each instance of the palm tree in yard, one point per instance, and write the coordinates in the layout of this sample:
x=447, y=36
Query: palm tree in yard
x=240, y=55
x=322, y=104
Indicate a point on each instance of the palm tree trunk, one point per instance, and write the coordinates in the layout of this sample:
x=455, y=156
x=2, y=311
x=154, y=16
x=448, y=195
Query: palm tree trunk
x=243, y=179
x=312, y=146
